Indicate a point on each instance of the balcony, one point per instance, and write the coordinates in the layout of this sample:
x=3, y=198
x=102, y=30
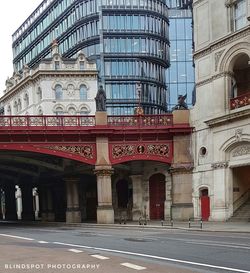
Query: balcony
x=240, y=101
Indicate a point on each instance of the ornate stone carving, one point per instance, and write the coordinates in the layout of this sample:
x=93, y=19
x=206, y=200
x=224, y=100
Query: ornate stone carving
x=217, y=56
x=86, y=151
x=238, y=134
x=71, y=91
x=219, y=165
x=241, y=150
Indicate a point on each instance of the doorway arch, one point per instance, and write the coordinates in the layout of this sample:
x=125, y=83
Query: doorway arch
x=204, y=204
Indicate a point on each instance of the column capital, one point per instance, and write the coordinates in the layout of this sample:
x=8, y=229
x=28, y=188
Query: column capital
x=104, y=172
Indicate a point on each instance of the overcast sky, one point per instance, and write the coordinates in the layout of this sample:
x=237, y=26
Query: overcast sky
x=13, y=14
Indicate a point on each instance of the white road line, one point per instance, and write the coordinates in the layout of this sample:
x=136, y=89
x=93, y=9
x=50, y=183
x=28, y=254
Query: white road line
x=16, y=237
x=43, y=242
x=220, y=245
x=157, y=257
x=75, y=250
x=99, y=257
x=64, y=244
x=133, y=266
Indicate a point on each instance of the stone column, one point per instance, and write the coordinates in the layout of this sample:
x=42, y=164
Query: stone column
x=73, y=213
x=27, y=202
x=168, y=200
x=220, y=211
x=105, y=211
x=196, y=204
x=10, y=202
x=137, y=197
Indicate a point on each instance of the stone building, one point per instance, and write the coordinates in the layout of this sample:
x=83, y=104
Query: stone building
x=221, y=115
x=57, y=86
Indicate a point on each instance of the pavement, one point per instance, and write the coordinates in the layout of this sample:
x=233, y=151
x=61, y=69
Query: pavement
x=241, y=227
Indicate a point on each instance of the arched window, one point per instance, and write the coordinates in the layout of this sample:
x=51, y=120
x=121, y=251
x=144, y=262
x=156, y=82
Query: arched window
x=19, y=105
x=84, y=111
x=240, y=82
x=83, y=92
x=26, y=100
x=58, y=92
x=9, y=110
x=15, y=107
x=39, y=94
x=59, y=111
x=71, y=110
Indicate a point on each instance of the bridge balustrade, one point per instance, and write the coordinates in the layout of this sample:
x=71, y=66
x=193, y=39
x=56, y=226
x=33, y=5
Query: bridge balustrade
x=141, y=120
x=46, y=121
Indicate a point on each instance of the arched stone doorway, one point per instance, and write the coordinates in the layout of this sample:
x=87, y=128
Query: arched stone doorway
x=204, y=204
x=157, y=196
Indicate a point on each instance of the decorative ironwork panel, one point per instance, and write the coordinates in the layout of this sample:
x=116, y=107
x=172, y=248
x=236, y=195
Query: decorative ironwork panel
x=36, y=121
x=133, y=151
x=46, y=121
x=240, y=101
x=86, y=151
x=143, y=120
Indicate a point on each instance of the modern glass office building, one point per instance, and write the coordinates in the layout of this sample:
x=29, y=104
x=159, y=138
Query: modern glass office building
x=127, y=38
x=180, y=75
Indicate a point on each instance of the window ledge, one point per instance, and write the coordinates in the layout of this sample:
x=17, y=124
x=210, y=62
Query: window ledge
x=236, y=114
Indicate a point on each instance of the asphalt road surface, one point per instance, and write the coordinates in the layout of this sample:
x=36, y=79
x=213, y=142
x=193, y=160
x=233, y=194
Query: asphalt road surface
x=122, y=249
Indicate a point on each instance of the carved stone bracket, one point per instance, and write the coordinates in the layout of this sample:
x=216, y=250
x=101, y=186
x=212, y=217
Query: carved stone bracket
x=219, y=165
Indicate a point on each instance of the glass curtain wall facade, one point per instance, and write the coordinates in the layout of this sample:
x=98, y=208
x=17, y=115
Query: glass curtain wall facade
x=127, y=38
x=180, y=75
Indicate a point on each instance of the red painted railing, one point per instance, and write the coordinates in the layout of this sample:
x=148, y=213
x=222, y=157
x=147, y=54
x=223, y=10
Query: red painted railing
x=141, y=120
x=46, y=121
x=80, y=121
x=240, y=101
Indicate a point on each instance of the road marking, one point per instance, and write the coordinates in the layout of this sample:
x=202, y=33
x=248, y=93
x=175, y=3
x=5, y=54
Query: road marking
x=99, y=257
x=133, y=266
x=65, y=244
x=75, y=250
x=156, y=257
x=16, y=237
x=43, y=242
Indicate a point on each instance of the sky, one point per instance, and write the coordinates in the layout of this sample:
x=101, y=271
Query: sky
x=13, y=14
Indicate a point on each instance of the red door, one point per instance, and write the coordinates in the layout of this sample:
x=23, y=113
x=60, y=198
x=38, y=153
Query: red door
x=157, y=196
x=205, y=208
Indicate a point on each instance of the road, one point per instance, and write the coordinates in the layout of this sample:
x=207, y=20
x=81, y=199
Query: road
x=121, y=250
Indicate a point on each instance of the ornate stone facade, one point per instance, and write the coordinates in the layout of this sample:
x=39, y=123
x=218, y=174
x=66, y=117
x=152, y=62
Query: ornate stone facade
x=221, y=113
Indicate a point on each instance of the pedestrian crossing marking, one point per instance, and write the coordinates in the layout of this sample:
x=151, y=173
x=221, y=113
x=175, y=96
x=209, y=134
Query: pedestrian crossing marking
x=133, y=266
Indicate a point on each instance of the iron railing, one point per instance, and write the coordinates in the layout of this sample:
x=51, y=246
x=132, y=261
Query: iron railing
x=141, y=120
x=240, y=101
x=46, y=121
